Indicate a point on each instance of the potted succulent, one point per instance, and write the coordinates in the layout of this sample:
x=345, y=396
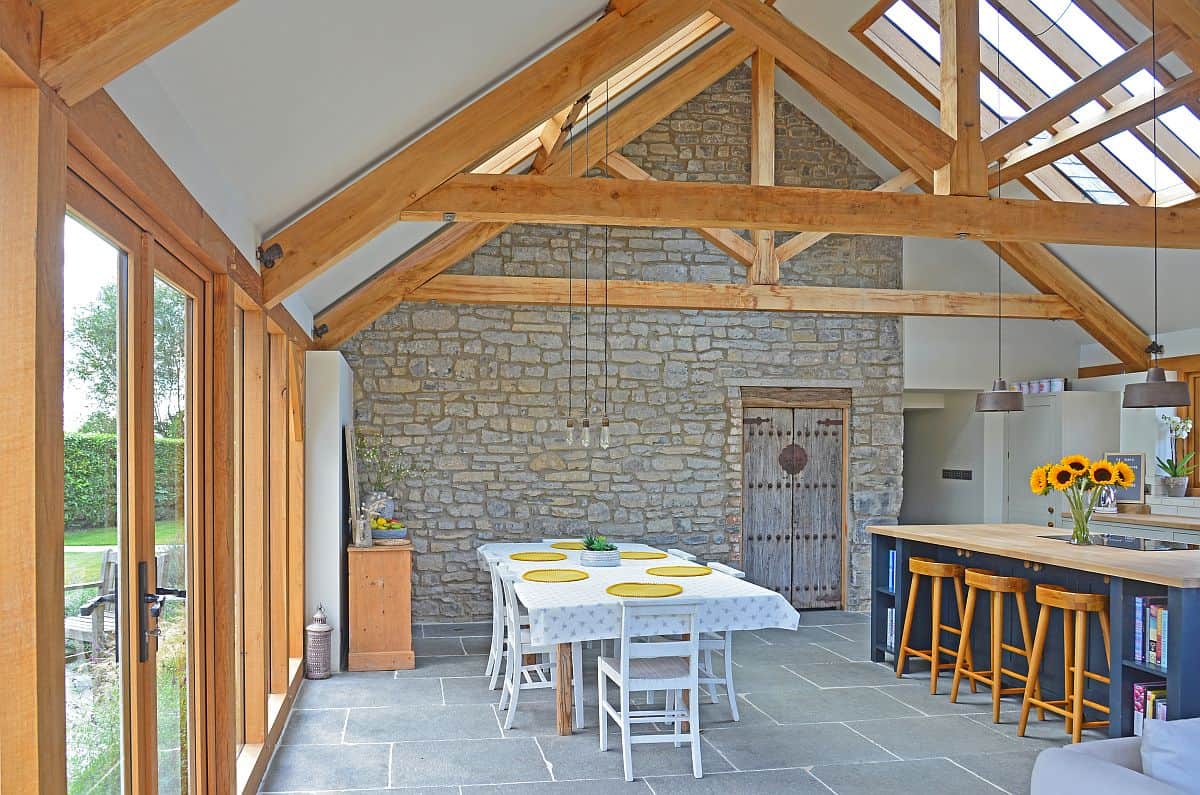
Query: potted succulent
x=598, y=551
x=1176, y=472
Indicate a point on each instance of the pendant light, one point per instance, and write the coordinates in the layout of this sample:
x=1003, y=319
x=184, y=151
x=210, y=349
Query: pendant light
x=605, y=432
x=1156, y=391
x=585, y=433
x=570, y=435
x=999, y=398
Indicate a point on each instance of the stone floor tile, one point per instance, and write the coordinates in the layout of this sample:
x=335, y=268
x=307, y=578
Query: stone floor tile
x=847, y=650
x=920, y=738
x=474, y=690
x=395, y=724
x=326, y=767
x=851, y=674
x=359, y=690
x=813, y=705
x=1010, y=771
x=860, y=633
x=600, y=787
x=477, y=645
x=931, y=776
x=439, y=647
x=768, y=747
x=461, y=762
x=426, y=667
x=794, y=782
x=755, y=677
x=917, y=696
x=579, y=757
x=782, y=637
x=314, y=727
x=792, y=654
x=822, y=618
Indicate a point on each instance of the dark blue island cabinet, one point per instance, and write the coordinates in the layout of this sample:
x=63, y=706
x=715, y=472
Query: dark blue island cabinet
x=1031, y=552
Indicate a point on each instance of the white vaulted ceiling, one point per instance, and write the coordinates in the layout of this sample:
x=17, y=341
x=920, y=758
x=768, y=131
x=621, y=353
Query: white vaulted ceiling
x=274, y=103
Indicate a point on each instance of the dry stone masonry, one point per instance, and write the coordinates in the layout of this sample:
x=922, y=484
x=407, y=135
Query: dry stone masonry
x=476, y=395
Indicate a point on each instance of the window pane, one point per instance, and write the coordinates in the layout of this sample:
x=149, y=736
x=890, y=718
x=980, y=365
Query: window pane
x=92, y=519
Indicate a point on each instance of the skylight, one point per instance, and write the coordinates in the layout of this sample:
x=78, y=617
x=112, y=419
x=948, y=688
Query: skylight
x=1028, y=56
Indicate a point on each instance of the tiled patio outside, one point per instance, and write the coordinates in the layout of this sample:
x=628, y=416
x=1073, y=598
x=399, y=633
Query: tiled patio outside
x=817, y=717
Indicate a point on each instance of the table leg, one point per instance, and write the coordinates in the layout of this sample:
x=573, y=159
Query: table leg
x=687, y=697
x=563, y=696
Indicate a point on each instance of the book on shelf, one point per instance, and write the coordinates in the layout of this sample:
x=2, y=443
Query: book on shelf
x=1145, y=696
x=1147, y=641
x=1160, y=708
x=890, y=642
x=1163, y=623
x=891, y=577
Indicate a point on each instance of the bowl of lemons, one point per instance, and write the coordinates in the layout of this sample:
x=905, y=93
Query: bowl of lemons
x=382, y=527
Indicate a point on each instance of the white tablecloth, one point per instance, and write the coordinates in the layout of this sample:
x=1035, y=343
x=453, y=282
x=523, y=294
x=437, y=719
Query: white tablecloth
x=583, y=610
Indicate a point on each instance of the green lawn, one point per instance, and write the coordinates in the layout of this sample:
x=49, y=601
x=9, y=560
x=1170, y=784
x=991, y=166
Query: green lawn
x=168, y=531
x=81, y=566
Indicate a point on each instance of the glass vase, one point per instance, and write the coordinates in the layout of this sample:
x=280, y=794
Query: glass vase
x=1081, y=535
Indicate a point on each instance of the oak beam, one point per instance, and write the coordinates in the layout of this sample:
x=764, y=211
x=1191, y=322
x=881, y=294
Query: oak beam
x=727, y=240
x=965, y=174
x=372, y=299
x=1017, y=132
x=1120, y=117
x=367, y=206
x=86, y=44
x=835, y=83
x=555, y=133
x=765, y=268
x=566, y=200
x=33, y=173
x=806, y=240
x=20, y=44
x=456, y=289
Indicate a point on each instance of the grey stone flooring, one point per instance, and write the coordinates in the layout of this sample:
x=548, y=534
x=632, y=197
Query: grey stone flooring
x=817, y=717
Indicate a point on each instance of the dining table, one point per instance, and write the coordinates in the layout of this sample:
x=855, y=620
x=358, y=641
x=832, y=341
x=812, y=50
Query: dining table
x=564, y=613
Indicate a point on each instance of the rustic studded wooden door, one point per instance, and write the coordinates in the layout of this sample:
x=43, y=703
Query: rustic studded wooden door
x=793, y=501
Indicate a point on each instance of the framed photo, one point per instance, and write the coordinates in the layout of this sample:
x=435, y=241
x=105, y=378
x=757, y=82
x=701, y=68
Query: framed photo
x=1135, y=494
x=352, y=473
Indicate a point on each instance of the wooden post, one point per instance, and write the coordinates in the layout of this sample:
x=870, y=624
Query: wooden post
x=277, y=525
x=765, y=269
x=33, y=140
x=966, y=173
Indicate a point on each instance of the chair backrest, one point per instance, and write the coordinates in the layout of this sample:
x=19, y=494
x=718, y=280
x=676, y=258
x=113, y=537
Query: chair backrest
x=679, y=553
x=730, y=570
x=644, y=625
x=108, y=573
x=512, y=612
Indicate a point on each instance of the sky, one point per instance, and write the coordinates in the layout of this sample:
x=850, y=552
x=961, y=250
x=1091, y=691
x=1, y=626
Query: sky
x=90, y=263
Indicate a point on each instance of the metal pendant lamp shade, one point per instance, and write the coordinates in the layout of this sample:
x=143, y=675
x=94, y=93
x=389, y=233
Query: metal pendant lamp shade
x=1156, y=392
x=1000, y=398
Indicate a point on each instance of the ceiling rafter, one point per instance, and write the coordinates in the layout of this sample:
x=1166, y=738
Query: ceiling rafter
x=458, y=289
x=373, y=298
x=86, y=44
x=367, y=206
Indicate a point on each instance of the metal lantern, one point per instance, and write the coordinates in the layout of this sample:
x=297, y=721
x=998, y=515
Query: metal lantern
x=317, y=646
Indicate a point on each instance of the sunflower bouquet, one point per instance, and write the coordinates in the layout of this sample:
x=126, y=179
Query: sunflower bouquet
x=1082, y=482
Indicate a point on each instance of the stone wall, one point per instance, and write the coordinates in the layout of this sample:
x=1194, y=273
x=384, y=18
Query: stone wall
x=476, y=396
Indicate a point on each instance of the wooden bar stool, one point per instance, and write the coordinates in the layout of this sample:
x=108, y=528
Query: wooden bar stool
x=1075, y=607
x=936, y=572
x=996, y=586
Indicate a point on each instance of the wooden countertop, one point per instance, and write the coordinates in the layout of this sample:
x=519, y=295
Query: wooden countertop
x=1179, y=569
x=1149, y=520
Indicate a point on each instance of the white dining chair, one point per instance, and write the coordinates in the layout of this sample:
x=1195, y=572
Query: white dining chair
x=541, y=673
x=648, y=662
x=679, y=553
x=722, y=643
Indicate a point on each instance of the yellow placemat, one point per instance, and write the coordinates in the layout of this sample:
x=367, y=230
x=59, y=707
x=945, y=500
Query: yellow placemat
x=645, y=590
x=679, y=571
x=555, y=575
x=567, y=545
x=640, y=555
x=537, y=557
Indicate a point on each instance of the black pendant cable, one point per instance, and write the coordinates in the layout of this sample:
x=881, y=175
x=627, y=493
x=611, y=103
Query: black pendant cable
x=605, y=433
x=585, y=433
x=999, y=398
x=571, y=323
x=1156, y=391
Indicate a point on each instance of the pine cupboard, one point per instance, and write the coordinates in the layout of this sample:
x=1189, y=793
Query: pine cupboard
x=380, y=608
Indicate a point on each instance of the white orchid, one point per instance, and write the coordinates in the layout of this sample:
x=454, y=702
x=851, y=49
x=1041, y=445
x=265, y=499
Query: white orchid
x=1177, y=427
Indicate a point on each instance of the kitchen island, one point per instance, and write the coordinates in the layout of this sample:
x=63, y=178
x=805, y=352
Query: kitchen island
x=1027, y=551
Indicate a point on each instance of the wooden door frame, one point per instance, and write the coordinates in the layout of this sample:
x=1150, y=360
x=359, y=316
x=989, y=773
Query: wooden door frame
x=800, y=397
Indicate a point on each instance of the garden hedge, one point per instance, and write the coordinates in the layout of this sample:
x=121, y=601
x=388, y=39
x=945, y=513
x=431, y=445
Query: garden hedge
x=90, y=466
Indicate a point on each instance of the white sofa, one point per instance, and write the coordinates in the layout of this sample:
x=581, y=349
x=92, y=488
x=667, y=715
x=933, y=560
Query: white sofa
x=1115, y=766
